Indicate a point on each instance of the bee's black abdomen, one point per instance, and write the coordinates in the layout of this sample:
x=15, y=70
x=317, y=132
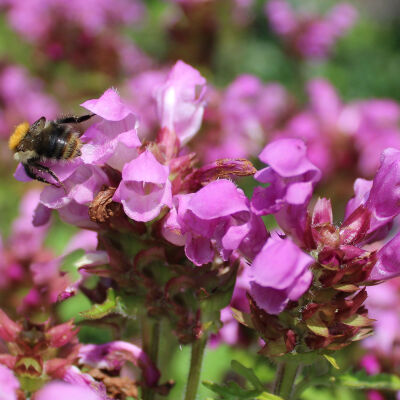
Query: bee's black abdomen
x=58, y=142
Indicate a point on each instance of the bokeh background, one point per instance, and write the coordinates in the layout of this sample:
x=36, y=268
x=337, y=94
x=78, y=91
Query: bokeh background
x=264, y=62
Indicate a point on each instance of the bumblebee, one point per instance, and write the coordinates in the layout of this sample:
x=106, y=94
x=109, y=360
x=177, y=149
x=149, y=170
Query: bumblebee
x=46, y=140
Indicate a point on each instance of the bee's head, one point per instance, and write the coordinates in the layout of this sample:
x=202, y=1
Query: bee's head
x=19, y=133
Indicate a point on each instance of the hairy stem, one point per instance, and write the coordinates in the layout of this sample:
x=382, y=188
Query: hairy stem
x=285, y=378
x=196, y=361
x=150, y=343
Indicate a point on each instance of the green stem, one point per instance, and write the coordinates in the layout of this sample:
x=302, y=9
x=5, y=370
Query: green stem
x=150, y=342
x=196, y=361
x=285, y=378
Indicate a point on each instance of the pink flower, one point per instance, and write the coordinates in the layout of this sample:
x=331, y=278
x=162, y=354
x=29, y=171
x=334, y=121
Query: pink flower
x=379, y=200
x=145, y=188
x=292, y=178
x=114, y=355
x=180, y=101
x=218, y=213
x=66, y=391
x=388, y=264
x=114, y=139
x=279, y=273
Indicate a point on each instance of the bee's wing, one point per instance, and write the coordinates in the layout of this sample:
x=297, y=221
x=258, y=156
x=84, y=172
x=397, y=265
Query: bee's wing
x=37, y=127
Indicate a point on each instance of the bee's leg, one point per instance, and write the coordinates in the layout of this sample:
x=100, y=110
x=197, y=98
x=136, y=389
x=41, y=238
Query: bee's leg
x=31, y=173
x=73, y=119
x=42, y=168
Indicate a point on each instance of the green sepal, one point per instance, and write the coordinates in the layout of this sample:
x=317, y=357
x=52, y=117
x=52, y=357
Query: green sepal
x=242, y=317
x=359, y=321
x=317, y=326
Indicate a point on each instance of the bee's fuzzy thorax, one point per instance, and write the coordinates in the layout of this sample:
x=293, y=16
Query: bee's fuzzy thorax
x=19, y=133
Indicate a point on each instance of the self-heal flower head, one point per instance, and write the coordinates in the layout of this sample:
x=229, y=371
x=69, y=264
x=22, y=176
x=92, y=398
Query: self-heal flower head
x=309, y=36
x=292, y=178
x=180, y=101
x=145, y=188
x=278, y=274
x=90, y=28
x=8, y=384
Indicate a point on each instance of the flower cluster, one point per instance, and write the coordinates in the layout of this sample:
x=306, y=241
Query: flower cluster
x=34, y=353
x=31, y=280
x=21, y=98
x=309, y=36
x=184, y=241
x=315, y=271
x=38, y=353
x=198, y=216
x=239, y=120
x=341, y=136
x=79, y=31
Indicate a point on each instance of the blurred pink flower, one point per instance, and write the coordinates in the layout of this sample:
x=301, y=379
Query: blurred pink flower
x=8, y=384
x=22, y=98
x=382, y=304
x=344, y=136
x=139, y=93
x=238, y=121
x=309, y=36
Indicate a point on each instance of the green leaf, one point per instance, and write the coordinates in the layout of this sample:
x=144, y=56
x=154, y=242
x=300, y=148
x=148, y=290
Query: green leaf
x=248, y=373
x=360, y=380
x=332, y=361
